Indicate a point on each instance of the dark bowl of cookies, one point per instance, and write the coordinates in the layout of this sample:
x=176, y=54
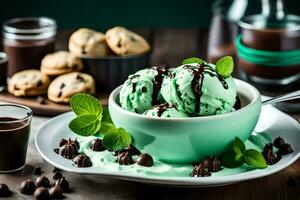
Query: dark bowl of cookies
x=110, y=57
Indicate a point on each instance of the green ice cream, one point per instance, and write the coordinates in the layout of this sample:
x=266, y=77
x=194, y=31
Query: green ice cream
x=198, y=90
x=165, y=111
x=142, y=90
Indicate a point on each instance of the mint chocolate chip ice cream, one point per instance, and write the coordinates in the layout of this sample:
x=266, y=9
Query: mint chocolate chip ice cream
x=141, y=90
x=197, y=89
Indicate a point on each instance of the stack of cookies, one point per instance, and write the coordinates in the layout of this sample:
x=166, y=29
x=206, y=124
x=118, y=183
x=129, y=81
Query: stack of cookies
x=60, y=78
x=116, y=41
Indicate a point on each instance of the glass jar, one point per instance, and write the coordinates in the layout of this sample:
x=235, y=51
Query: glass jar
x=26, y=41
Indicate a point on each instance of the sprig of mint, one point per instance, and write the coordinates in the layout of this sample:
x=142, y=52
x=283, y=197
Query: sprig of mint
x=93, y=119
x=224, y=66
x=238, y=154
x=192, y=60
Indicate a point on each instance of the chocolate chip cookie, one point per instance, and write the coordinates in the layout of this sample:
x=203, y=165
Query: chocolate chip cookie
x=88, y=42
x=65, y=86
x=125, y=42
x=28, y=83
x=60, y=62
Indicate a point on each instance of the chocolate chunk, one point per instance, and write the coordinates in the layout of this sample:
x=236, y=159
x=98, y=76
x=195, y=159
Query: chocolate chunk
x=132, y=150
x=271, y=157
x=62, y=142
x=268, y=147
x=200, y=171
x=41, y=194
x=278, y=142
x=41, y=100
x=96, y=145
x=57, y=175
x=213, y=164
x=62, y=86
x=39, y=83
x=82, y=160
x=144, y=89
x=145, y=160
x=68, y=151
x=59, y=94
x=63, y=184
x=27, y=187
x=75, y=143
x=124, y=159
x=56, y=193
x=42, y=181
x=37, y=171
x=285, y=149
x=4, y=190
x=56, y=150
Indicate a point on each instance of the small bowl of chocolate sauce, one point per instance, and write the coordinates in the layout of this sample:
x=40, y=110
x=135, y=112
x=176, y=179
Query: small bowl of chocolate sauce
x=15, y=123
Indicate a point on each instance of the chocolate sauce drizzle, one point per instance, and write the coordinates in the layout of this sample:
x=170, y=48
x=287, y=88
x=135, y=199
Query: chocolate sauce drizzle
x=197, y=81
x=133, y=83
x=162, y=108
x=158, y=79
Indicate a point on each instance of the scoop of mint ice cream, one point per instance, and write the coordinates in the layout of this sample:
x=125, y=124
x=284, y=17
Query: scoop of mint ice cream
x=142, y=90
x=165, y=111
x=197, y=89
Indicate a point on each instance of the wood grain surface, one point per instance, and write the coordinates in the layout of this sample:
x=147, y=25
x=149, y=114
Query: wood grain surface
x=169, y=46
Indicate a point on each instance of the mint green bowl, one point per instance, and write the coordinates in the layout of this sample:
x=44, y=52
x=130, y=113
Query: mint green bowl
x=187, y=140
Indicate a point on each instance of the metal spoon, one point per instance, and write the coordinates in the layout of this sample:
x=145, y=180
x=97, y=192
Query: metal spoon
x=281, y=98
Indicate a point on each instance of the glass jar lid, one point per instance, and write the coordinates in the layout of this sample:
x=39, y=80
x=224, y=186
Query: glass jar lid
x=29, y=28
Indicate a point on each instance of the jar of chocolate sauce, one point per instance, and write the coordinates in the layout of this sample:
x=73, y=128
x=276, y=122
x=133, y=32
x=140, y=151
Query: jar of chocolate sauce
x=27, y=40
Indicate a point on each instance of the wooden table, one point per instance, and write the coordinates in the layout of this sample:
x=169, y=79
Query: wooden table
x=169, y=46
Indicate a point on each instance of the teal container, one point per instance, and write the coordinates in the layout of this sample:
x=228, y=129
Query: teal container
x=188, y=140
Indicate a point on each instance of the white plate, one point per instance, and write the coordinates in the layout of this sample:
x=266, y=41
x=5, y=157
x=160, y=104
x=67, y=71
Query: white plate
x=272, y=121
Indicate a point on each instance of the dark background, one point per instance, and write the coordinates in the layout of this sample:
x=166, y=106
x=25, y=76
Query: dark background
x=102, y=14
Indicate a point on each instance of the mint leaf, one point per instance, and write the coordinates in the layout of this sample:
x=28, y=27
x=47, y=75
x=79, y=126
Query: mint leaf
x=231, y=160
x=85, y=125
x=105, y=127
x=192, y=60
x=83, y=104
x=255, y=159
x=116, y=139
x=238, y=146
x=224, y=66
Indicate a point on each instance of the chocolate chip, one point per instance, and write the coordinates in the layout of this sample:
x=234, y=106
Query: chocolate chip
x=131, y=149
x=82, y=160
x=39, y=83
x=37, y=170
x=42, y=181
x=213, y=164
x=41, y=100
x=16, y=87
x=278, y=142
x=145, y=160
x=4, y=190
x=124, y=159
x=27, y=187
x=68, y=151
x=268, y=147
x=41, y=194
x=57, y=175
x=144, y=89
x=80, y=78
x=119, y=44
x=271, y=157
x=285, y=149
x=62, y=142
x=96, y=145
x=59, y=94
x=56, y=193
x=62, y=86
x=56, y=150
x=200, y=171
x=63, y=184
